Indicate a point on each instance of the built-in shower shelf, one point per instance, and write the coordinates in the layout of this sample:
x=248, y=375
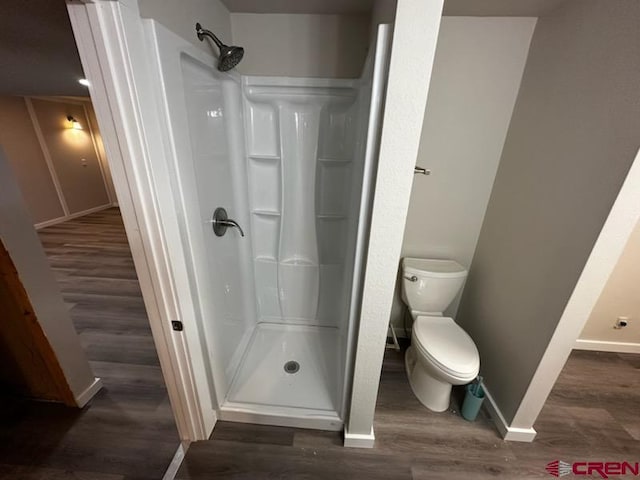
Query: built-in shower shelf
x=265, y=158
x=266, y=213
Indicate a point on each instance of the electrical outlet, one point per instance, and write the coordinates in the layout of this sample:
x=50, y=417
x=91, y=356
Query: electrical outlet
x=621, y=322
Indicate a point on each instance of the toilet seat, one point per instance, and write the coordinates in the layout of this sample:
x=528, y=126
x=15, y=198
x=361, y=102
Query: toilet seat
x=444, y=343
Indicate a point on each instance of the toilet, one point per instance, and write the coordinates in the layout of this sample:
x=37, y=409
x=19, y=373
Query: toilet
x=441, y=354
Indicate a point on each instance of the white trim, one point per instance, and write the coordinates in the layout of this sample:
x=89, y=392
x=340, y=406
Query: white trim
x=111, y=44
x=176, y=462
x=617, y=229
x=83, y=398
x=356, y=440
x=66, y=218
x=507, y=432
x=604, y=346
x=47, y=155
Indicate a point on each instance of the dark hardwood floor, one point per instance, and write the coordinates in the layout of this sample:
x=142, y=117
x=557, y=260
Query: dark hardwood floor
x=127, y=431
x=593, y=414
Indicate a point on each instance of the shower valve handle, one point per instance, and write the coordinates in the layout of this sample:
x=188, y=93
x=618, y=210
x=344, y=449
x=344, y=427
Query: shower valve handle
x=221, y=222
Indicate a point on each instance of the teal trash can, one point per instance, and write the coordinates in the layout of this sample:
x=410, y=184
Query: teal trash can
x=473, y=398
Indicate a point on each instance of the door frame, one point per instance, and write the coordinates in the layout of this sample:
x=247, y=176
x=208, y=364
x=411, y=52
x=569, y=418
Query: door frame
x=110, y=39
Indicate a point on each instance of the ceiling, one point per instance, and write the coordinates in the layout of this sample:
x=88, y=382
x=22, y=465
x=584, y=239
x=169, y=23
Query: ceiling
x=500, y=8
x=484, y=8
x=38, y=54
x=300, y=6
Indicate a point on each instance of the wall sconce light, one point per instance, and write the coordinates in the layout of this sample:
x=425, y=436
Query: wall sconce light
x=75, y=124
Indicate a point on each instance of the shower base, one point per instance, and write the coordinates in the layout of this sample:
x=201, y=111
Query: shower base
x=288, y=376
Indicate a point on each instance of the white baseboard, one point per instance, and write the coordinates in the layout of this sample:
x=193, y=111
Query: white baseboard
x=65, y=218
x=356, y=440
x=602, y=346
x=507, y=432
x=178, y=457
x=89, y=392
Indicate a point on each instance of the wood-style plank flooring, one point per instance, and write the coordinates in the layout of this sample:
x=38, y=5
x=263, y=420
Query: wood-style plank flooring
x=127, y=431
x=593, y=414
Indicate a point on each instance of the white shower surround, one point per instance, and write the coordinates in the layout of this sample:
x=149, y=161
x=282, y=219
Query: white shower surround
x=285, y=157
x=302, y=145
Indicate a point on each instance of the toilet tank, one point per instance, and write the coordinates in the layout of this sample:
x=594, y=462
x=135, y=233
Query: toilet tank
x=429, y=285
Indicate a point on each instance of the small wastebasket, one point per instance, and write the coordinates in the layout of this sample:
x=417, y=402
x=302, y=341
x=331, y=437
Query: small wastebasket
x=473, y=398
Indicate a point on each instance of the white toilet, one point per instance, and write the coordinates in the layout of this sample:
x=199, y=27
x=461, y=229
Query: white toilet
x=442, y=354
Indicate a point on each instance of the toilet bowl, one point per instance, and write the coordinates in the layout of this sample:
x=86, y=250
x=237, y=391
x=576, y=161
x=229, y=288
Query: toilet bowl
x=442, y=354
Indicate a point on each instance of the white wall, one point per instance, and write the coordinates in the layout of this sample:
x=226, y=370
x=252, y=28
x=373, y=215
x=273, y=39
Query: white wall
x=476, y=76
x=24, y=247
x=620, y=297
x=413, y=51
x=301, y=45
x=181, y=17
x=573, y=136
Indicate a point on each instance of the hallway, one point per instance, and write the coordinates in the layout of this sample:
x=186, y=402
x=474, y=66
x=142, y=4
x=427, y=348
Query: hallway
x=127, y=431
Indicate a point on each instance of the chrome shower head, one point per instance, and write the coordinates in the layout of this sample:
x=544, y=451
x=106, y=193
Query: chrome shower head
x=229, y=56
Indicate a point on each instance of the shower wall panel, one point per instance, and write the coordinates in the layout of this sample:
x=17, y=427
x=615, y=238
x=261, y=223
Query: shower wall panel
x=301, y=144
x=215, y=178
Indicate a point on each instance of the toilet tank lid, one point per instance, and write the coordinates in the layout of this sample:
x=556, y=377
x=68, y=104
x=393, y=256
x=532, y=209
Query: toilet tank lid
x=429, y=267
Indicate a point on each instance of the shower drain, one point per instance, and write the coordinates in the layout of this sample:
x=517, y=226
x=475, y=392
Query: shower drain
x=291, y=366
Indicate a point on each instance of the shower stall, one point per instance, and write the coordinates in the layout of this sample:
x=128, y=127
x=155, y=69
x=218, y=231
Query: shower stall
x=292, y=163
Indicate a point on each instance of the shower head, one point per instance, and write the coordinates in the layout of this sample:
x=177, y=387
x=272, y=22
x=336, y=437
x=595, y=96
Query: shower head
x=229, y=56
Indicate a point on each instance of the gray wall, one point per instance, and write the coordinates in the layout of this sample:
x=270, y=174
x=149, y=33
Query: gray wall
x=20, y=143
x=333, y=46
x=75, y=162
x=73, y=154
x=574, y=133
x=181, y=16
